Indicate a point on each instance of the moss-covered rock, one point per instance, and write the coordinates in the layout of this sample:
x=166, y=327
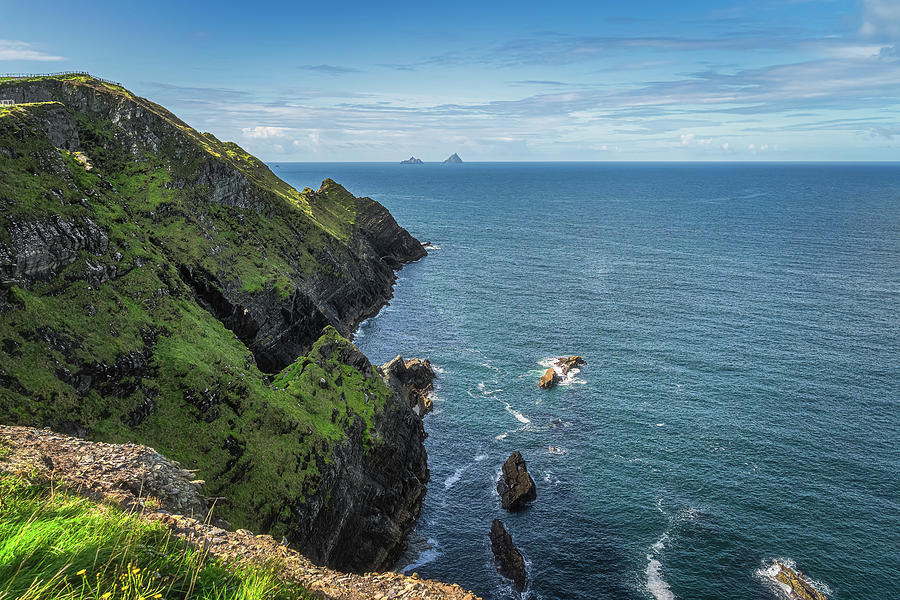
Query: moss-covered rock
x=160, y=286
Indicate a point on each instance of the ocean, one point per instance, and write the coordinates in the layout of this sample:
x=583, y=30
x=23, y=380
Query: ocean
x=741, y=401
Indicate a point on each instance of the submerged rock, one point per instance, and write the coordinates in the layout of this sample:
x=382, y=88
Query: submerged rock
x=510, y=562
x=516, y=487
x=548, y=380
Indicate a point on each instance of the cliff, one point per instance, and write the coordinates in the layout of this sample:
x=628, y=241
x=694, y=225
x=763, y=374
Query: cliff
x=162, y=287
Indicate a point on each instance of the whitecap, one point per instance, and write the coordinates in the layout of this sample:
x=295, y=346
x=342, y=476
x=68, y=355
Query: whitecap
x=428, y=555
x=656, y=584
x=660, y=424
x=519, y=416
x=480, y=457
x=457, y=475
x=438, y=369
x=502, y=436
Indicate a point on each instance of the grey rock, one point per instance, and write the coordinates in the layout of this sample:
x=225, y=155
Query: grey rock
x=516, y=487
x=510, y=562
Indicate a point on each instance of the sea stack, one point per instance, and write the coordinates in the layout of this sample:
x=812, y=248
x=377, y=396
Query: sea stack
x=516, y=487
x=549, y=379
x=412, y=160
x=510, y=562
x=453, y=159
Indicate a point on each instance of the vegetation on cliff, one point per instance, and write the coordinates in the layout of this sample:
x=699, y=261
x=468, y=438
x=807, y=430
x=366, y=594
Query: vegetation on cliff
x=163, y=287
x=56, y=545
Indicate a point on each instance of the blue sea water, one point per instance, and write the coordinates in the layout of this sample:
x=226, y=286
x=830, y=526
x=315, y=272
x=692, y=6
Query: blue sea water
x=741, y=401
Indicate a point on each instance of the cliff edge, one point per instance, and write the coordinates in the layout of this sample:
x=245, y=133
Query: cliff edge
x=141, y=481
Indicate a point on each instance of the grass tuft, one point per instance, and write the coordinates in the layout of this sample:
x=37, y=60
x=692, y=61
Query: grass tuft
x=55, y=545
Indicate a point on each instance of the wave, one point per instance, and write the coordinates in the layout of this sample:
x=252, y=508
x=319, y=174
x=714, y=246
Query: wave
x=482, y=387
x=656, y=584
x=457, y=475
x=428, y=555
x=519, y=416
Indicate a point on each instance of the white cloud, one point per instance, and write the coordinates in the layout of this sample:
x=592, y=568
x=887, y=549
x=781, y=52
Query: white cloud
x=16, y=50
x=689, y=139
x=881, y=19
x=264, y=133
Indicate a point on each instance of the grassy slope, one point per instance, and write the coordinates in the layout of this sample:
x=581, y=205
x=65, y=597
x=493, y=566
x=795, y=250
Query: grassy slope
x=57, y=546
x=257, y=444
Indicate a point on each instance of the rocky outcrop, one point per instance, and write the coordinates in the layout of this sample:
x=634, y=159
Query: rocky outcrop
x=412, y=160
x=516, y=487
x=798, y=586
x=131, y=475
x=567, y=363
x=37, y=250
x=453, y=159
x=137, y=478
x=413, y=381
x=549, y=379
x=510, y=562
x=380, y=492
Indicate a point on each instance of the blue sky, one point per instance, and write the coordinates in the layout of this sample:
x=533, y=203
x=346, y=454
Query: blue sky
x=367, y=81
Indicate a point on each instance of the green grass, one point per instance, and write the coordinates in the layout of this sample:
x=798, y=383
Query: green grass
x=55, y=545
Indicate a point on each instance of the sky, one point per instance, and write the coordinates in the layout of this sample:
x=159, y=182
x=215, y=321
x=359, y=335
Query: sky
x=495, y=80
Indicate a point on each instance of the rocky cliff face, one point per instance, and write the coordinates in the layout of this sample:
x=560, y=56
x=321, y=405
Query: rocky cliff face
x=160, y=286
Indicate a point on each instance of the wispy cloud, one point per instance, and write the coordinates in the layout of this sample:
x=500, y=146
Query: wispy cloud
x=17, y=50
x=881, y=19
x=264, y=132
x=194, y=95
x=330, y=69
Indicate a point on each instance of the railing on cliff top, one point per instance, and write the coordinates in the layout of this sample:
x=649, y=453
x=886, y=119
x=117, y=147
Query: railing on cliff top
x=61, y=73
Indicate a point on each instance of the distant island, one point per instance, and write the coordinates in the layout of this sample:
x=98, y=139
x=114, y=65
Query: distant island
x=412, y=160
x=453, y=160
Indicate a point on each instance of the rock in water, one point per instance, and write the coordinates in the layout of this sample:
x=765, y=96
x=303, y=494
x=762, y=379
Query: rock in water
x=516, y=487
x=453, y=159
x=510, y=562
x=549, y=379
x=567, y=363
x=800, y=587
x=412, y=160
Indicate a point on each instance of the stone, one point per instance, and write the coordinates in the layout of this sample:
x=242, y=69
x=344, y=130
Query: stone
x=800, y=587
x=567, y=363
x=548, y=380
x=510, y=562
x=516, y=487
x=413, y=381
